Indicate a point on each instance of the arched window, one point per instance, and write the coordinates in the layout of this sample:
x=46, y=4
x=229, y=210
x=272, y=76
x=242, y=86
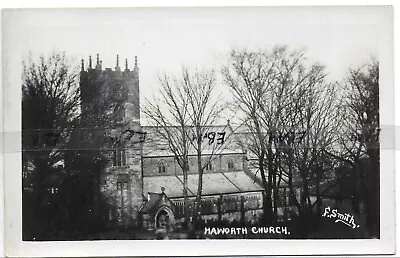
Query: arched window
x=209, y=166
x=162, y=167
x=231, y=164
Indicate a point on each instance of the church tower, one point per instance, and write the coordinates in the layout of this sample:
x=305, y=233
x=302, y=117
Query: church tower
x=110, y=105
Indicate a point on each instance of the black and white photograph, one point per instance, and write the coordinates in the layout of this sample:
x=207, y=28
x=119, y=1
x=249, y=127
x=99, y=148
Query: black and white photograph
x=217, y=125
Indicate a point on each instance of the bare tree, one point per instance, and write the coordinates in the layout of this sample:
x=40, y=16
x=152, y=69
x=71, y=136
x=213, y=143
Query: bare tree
x=181, y=117
x=314, y=112
x=287, y=108
x=249, y=75
x=170, y=116
x=204, y=111
x=359, y=139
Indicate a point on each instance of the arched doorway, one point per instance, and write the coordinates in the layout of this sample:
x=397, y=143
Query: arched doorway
x=164, y=218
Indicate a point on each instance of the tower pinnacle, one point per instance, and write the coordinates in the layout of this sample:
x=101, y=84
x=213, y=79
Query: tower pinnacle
x=117, y=68
x=98, y=65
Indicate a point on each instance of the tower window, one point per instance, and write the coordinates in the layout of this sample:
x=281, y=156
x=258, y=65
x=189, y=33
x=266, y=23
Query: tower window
x=162, y=168
x=231, y=165
x=119, y=157
x=53, y=190
x=122, y=185
x=209, y=166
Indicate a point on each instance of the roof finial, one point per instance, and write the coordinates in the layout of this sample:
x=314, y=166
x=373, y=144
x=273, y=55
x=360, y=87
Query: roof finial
x=82, y=65
x=90, y=62
x=126, y=63
x=117, y=60
x=162, y=189
x=97, y=59
x=135, y=61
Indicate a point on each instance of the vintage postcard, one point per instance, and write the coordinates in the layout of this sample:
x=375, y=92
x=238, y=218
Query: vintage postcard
x=218, y=130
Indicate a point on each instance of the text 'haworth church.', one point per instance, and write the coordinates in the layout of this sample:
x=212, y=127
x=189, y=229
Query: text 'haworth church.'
x=142, y=183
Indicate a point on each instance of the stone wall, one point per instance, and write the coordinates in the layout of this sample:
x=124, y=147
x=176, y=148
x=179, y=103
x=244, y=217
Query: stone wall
x=122, y=192
x=219, y=163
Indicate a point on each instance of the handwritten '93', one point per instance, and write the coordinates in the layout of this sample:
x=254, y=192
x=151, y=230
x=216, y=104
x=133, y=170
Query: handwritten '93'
x=211, y=137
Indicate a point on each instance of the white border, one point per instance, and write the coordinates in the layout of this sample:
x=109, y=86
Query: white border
x=12, y=161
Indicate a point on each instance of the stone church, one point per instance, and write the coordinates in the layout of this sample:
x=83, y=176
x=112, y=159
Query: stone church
x=142, y=182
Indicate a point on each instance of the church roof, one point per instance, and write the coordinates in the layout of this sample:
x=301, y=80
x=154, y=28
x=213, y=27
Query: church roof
x=155, y=201
x=243, y=181
x=213, y=183
x=151, y=203
x=172, y=184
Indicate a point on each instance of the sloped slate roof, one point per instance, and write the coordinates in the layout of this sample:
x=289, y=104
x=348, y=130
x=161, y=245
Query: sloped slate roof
x=283, y=183
x=213, y=183
x=152, y=203
x=243, y=181
x=172, y=184
x=156, y=201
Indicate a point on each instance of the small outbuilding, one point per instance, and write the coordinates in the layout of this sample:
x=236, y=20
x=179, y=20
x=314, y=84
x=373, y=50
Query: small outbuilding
x=158, y=212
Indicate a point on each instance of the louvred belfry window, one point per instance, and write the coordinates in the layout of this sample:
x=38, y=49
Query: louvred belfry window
x=119, y=157
x=162, y=167
x=231, y=164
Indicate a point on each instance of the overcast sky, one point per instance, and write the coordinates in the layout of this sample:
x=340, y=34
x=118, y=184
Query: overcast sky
x=165, y=39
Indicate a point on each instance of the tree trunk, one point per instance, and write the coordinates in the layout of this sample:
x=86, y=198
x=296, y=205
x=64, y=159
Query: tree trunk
x=372, y=199
x=275, y=194
x=269, y=190
x=199, y=187
x=185, y=191
x=267, y=203
x=292, y=195
x=355, y=201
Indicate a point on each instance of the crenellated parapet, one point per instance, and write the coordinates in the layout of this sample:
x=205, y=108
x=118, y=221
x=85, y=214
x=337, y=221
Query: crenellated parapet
x=105, y=73
x=102, y=88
